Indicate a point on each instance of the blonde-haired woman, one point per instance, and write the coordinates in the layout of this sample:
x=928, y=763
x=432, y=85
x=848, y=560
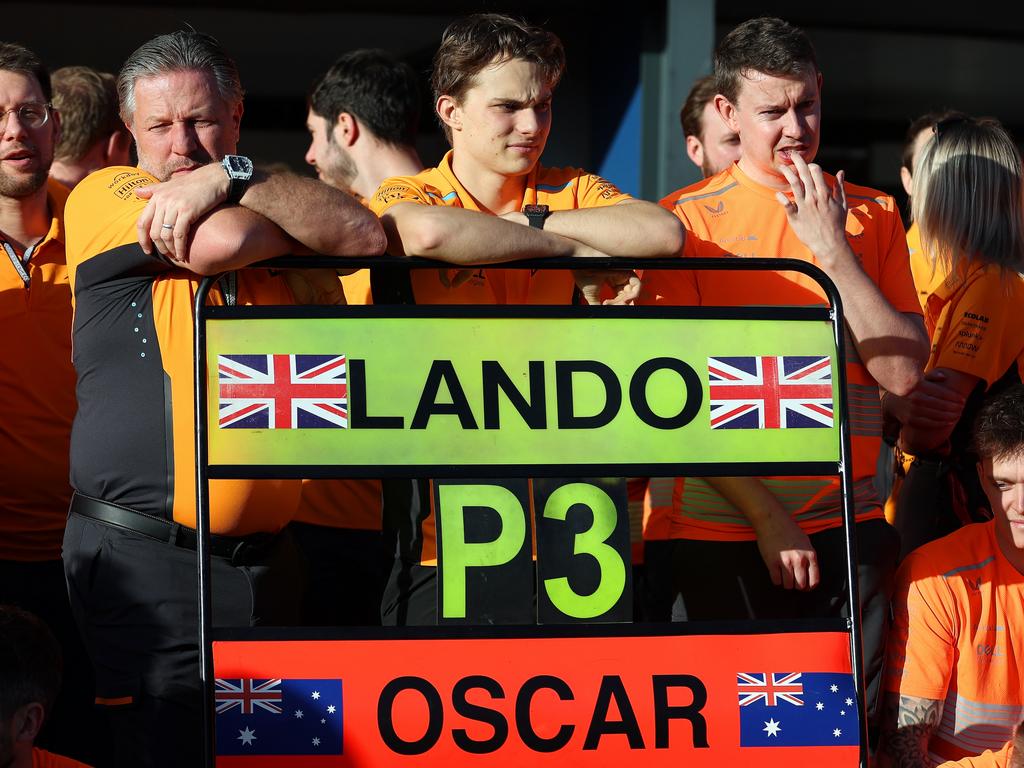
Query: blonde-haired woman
x=969, y=206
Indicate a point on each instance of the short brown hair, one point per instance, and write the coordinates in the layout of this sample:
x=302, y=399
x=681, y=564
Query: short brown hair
x=999, y=427
x=18, y=58
x=87, y=102
x=474, y=43
x=692, y=114
x=765, y=44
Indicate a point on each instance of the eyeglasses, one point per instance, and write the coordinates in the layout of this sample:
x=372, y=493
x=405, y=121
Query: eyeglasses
x=32, y=115
x=949, y=122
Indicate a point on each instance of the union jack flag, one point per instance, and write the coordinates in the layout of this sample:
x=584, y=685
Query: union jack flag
x=282, y=392
x=249, y=695
x=771, y=688
x=771, y=392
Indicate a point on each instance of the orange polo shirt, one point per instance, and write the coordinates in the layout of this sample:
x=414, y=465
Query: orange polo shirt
x=38, y=402
x=987, y=759
x=731, y=215
x=561, y=189
x=133, y=439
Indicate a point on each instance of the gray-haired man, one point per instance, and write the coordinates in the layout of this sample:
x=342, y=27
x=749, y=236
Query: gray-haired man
x=138, y=238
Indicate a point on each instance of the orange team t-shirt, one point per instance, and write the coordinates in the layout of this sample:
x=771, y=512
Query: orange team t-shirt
x=987, y=759
x=973, y=321
x=955, y=638
x=730, y=215
x=38, y=405
x=133, y=439
x=43, y=759
x=561, y=189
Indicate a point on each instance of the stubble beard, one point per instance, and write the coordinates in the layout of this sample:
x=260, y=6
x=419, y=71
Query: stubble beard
x=20, y=187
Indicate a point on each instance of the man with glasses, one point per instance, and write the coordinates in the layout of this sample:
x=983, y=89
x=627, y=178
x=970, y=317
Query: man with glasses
x=37, y=380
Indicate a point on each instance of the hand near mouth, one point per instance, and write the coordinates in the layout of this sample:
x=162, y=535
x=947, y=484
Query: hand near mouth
x=817, y=210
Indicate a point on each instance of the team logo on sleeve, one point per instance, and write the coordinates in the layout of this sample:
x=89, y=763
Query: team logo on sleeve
x=282, y=391
x=770, y=392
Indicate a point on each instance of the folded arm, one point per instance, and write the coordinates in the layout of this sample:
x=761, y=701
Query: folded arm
x=186, y=221
x=932, y=410
x=466, y=237
x=633, y=228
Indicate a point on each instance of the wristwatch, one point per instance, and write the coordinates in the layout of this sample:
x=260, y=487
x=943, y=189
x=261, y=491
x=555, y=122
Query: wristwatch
x=536, y=214
x=239, y=171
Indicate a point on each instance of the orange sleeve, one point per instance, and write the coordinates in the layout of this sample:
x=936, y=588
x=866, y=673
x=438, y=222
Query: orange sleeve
x=398, y=189
x=595, y=192
x=895, y=279
x=984, y=335
x=922, y=643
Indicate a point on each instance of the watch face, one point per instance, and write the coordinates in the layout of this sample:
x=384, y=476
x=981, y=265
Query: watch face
x=238, y=165
x=535, y=210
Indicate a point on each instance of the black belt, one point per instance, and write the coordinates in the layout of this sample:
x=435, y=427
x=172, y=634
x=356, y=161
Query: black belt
x=230, y=547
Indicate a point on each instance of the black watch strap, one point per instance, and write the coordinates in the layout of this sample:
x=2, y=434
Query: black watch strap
x=536, y=214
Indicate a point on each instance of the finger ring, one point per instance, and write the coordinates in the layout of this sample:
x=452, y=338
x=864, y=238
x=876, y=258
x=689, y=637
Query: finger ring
x=167, y=226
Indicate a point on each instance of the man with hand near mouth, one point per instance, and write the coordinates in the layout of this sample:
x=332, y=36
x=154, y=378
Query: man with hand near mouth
x=776, y=544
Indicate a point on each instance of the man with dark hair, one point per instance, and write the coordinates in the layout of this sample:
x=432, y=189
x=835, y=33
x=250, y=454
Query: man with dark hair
x=30, y=673
x=954, y=680
x=363, y=116
x=710, y=143
x=92, y=134
x=138, y=240
x=38, y=381
x=491, y=201
x=777, y=543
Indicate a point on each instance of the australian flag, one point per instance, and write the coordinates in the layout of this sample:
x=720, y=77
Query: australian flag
x=279, y=717
x=797, y=709
x=282, y=392
x=770, y=392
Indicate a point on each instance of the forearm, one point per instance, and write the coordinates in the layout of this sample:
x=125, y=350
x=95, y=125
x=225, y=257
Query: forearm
x=231, y=238
x=893, y=346
x=465, y=237
x=907, y=726
x=750, y=496
x=324, y=219
x=638, y=229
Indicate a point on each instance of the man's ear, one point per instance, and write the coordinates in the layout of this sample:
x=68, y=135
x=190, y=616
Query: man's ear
x=57, y=130
x=449, y=112
x=28, y=721
x=236, y=120
x=695, y=151
x=118, y=149
x=346, y=129
x=727, y=110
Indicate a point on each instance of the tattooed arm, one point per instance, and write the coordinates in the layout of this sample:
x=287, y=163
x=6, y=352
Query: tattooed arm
x=907, y=725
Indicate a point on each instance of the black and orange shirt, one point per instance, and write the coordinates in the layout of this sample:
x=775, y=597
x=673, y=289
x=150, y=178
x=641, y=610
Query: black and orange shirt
x=407, y=506
x=133, y=437
x=38, y=403
x=731, y=215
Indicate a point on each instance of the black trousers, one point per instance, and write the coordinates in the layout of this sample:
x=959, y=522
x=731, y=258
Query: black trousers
x=135, y=601
x=729, y=580
x=75, y=727
x=347, y=569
